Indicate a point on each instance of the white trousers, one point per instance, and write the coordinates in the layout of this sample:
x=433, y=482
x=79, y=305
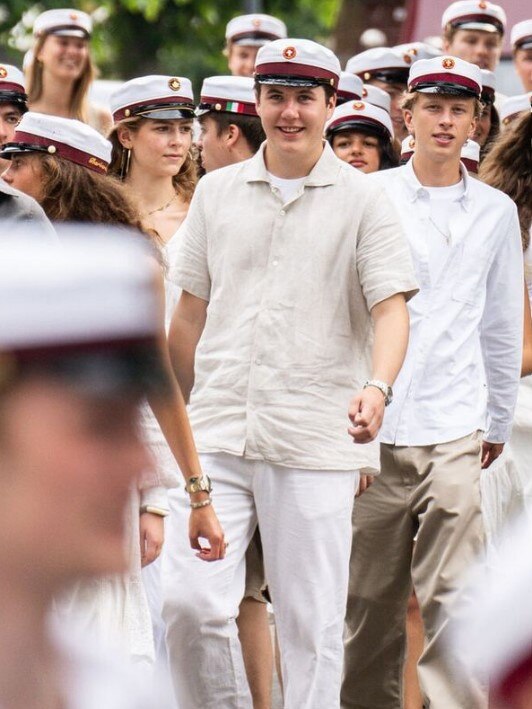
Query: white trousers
x=305, y=524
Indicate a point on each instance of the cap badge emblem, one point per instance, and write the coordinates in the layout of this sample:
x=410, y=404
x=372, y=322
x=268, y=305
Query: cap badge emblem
x=218, y=106
x=412, y=143
x=3, y=72
x=407, y=58
x=413, y=51
x=448, y=63
x=74, y=16
x=359, y=106
x=367, y=75
x=483, y=5
x=174, y=84
x=127, y=112
x=256, y=23
x=52, y=149
x=289, y=52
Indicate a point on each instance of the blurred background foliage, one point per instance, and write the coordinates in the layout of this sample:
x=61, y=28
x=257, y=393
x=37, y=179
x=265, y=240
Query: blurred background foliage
x=184, y=37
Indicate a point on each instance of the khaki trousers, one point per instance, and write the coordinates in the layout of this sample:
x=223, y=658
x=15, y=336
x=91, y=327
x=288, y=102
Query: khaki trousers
x=432, y=492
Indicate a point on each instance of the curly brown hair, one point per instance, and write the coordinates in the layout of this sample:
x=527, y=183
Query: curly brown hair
x=186, y=179
x=79, y=105
x=507, y=167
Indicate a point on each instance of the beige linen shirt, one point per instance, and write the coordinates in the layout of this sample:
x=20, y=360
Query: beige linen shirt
x=288, y=335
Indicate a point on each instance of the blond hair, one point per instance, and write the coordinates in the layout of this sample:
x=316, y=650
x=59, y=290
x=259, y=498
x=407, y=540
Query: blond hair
x=79, y=106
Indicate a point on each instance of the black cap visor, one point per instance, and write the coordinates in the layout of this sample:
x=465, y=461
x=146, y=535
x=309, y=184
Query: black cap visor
x=161, y=113
x=296, y=81
x=361, y=126
x=15, y=98
x=9, y=149
x=446, y=89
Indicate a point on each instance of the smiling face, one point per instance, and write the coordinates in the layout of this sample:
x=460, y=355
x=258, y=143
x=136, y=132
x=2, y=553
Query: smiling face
x=68, y=462
x=359, y=150
x=475, y=46
x=294, y=118
x=64, y=57
x=241, y=59
x=24, y=172
x=441, y=125
x=158, y=147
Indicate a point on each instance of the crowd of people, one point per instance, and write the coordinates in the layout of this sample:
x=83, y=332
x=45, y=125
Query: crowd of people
x=263, y=371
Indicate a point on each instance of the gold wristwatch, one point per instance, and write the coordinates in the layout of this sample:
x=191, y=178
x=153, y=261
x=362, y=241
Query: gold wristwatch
x=198, y=484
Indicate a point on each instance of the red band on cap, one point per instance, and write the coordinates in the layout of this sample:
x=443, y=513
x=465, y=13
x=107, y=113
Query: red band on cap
x=214, y=104
x=298, y=71
x=348, y=95
x=8, y=86
x=133, y=109
x=91, y=162
x=471, y=165
x=483, y=18
x=407, y=154
x=30, y=353
x=445, y=79
x=516, y=678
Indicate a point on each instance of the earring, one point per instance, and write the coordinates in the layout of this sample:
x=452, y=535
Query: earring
x=124, y=163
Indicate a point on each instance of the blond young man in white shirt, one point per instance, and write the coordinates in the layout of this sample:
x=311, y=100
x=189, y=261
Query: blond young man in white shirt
x=465, y=342
x=287, y=259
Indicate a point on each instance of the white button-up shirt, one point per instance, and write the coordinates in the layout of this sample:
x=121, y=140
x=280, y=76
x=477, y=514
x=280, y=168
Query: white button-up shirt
x=288, y=335
x=466, y=327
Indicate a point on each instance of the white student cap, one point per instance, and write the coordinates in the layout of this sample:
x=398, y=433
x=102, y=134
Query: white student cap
x=378, y=97
x=513, y=106
x=159, y=97
x=12, y=86
x=350, y=88
x=382, y=63
x=297, y=62
x=418, y=50
x=254, y=30
x=355, y=115
x=475, y=15
x=470, y=155
x=63, y=137
x=84, y=310
x=445, y=75
x=227, y=94
x=521, y=35
x=408, y=146
x=64, y=22
x=488, y=86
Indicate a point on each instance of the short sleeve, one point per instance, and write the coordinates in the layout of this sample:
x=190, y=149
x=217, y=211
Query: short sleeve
x=192, y=268
x=383, y=258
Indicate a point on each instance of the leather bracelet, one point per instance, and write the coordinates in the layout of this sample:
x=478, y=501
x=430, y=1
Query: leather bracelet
x=199, y=505
x=153, y=510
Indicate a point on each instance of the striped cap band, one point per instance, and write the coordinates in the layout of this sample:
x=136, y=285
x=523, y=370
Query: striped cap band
x=211, y=103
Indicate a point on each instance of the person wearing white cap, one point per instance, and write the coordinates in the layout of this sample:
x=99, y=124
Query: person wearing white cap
x=473, y=30
x=488, y=125
x=387, y=69
x=454, y=401
x=12, y=101
x=521, y=41
x=514, y=106
x=231, y=130
x=78, y=351
x=418, y=50
x=362, y=135
x=377, y=97
x=61, y=70
x=350, y=88
x=244, y=35
x=264, y=241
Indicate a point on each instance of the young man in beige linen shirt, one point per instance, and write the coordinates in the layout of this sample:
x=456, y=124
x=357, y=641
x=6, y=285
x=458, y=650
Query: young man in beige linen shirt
x=287, y=259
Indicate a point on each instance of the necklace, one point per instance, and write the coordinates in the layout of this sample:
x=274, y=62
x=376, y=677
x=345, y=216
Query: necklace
x=447, y=237
x=161, y=209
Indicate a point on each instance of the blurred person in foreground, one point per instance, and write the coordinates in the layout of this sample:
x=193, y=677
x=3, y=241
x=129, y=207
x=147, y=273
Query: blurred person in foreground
x=78, y=351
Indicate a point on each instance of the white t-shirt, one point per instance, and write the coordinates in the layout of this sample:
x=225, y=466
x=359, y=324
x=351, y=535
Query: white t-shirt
x=444, y=204
x=287, y=188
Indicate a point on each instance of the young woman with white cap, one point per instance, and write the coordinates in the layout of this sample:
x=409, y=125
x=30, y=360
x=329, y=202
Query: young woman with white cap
x=63, y=164
x=61, y=70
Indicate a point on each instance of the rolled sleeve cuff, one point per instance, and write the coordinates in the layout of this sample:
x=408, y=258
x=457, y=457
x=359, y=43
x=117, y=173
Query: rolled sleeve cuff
x=498, y=433
x=154, y=497
x=192, y=284
x=374, y=296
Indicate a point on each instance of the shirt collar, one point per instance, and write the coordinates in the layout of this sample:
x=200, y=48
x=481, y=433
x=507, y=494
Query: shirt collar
x=415, y=188
x=325, y=171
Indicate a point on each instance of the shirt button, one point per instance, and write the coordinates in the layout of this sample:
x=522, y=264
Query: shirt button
x=282, y=212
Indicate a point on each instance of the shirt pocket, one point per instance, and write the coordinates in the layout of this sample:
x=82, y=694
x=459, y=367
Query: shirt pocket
x=471, y=267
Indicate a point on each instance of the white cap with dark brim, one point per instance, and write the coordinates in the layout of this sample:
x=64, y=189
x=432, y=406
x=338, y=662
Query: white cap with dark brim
x=377, y=97
x=12, y=86
x=254, y=30
x=470, y=156
x=158, y=97
x=475, y=15
x=64, y=138
x=408, y=146
x=297, y=62
x=418, y=50
x=350, y=88
x=64, y=22
x=521, y=35
x=445, y=75
x=355, y=115
x=488, y=86
x=382, y=63
x=227, y=94
x=513, y=106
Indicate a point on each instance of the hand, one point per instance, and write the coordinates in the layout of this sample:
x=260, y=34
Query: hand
x=204, y=523
x=366, y=411
x=490, y=452
x=151, y=537
x=365, y=482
